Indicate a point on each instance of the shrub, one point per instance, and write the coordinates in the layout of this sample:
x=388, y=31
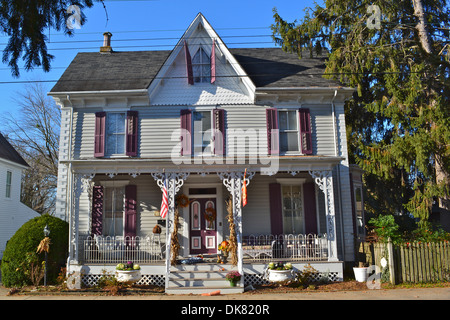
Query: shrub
x=15, y=268
x=386, y=227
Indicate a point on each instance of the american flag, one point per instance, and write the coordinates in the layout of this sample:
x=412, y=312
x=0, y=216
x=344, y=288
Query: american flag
x=164, y=202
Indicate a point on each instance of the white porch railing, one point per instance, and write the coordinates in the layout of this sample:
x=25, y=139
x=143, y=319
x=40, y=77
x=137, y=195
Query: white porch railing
x=256, y=248
x=112, y=250
x=300, y=247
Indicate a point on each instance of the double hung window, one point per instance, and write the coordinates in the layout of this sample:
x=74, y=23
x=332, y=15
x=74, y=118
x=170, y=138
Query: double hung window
x=288, y=131
x=293, y=220
x=115, y=133
x=201, y=66
x=202, y=132
x=113, y=204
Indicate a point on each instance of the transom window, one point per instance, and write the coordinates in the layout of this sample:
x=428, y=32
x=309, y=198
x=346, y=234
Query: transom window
x=292, y=209
x=115, y=133
x=288, y=131
x=202, y=132
x=201, y=66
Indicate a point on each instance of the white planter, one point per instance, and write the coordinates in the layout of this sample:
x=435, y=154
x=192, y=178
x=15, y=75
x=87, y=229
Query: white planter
x=128, y=275
x=279, y=275
x=360, y=274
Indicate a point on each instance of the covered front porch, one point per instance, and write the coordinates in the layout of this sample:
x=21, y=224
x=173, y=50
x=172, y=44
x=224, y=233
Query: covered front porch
x=259, y=239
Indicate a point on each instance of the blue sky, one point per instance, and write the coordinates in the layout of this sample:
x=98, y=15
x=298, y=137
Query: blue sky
x=151, y=25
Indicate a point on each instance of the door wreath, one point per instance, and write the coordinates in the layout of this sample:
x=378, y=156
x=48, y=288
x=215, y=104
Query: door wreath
x=210, y=216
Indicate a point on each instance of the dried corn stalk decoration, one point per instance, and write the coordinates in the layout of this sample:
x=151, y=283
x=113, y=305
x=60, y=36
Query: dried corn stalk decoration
x=175, y=245
x=44, y=245
x=233, y=239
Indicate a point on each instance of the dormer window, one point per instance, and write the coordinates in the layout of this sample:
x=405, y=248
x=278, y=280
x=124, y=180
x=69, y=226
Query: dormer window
x=201, y=66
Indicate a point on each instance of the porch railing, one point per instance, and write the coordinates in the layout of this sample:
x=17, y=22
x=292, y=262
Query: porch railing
x=111, y=250
x=299, y=247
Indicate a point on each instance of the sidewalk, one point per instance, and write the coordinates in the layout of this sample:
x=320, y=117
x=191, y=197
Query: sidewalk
x=381, y=294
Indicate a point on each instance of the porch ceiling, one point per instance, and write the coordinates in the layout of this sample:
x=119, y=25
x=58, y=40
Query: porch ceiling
x=269, y=165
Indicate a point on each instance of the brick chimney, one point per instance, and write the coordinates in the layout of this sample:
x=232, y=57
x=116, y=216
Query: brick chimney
x=106, y=48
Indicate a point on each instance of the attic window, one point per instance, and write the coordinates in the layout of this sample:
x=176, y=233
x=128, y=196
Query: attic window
x=201, y=66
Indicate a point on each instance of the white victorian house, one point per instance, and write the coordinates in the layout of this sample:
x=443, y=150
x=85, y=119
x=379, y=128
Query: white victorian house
x=195, y=118
x=13, y=213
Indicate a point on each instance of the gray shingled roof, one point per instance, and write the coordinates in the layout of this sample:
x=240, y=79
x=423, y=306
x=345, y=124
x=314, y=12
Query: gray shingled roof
x=8, y=152
x=267, y=67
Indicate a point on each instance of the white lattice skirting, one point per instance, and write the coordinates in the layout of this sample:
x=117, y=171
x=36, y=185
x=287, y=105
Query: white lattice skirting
x=91, y=280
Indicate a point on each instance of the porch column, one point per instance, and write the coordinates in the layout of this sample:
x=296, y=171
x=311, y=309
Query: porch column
x=80, y=183
x=174, y=181
x=234, y=182
x=324, y=179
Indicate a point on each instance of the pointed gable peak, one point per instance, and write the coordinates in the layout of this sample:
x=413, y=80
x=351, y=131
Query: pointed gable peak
x=201, y=34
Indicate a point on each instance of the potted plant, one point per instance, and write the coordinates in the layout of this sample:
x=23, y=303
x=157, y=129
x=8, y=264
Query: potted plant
x=279, y=271
x=128, y=272
x=360, y=272
x=233, y=277
x=224, y=247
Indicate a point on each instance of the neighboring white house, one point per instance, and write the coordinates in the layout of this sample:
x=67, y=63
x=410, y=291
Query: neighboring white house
x=13, y=213
x=197, y=118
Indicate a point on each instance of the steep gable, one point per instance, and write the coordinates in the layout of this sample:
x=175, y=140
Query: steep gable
x=7, y=152
x=171, y=86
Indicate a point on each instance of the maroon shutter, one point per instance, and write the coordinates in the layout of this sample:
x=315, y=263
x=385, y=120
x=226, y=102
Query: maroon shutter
x=219, y=131
x=186, y=124
x=130, y=210
x=309, y=196
x=132, y=133
x=97, y=210
x=99, y=142
x=272, y=131
x=213, y=62
x=305, y=131
x=276, y=211
x=189, y=72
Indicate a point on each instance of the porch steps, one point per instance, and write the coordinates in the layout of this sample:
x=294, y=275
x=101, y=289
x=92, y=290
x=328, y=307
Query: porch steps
x=201, y=278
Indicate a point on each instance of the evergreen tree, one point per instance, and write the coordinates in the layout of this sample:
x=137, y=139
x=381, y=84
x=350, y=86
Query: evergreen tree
x=398, y=119
x=26, y=23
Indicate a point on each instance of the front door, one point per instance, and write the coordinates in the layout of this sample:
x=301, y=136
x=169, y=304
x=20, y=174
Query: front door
x=203, y=226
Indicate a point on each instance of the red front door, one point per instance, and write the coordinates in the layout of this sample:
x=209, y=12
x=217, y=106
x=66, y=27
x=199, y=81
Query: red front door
x=203, y=226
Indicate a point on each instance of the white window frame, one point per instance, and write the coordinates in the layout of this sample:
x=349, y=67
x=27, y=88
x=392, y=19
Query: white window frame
x=288, y=182
x=281, y=131
x=360, y=230
x=200, y=78
x=115, y=184
x=108, y=152
x=8, y=190
x=202, y=150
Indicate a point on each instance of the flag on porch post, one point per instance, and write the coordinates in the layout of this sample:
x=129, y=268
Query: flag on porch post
x=165, y=200
x=244, y=190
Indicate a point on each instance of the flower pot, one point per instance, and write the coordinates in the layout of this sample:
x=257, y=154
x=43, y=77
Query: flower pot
x=130, y=276
x=233, y=283
x=360, y=274
x=279, y=275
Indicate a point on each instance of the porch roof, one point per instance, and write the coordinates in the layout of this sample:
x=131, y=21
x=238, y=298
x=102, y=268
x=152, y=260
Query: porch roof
x=205, y=165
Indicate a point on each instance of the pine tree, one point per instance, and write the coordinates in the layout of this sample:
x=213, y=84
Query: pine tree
x=27, y=22
x=398, y=119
